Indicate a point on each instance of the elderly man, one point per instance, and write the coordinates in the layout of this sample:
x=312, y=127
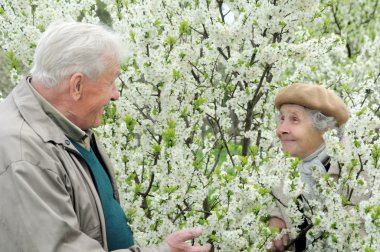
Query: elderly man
x=57, y=186
x=306, y=112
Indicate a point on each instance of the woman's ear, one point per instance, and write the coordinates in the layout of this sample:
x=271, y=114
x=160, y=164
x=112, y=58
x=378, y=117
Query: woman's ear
x=76, y=85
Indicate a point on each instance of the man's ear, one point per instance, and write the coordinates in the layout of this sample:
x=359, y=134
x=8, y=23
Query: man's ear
x=76, y=86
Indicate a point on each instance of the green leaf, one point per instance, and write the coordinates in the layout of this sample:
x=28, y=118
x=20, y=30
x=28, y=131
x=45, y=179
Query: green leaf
x=169, y=137
x=156, y=149
x=157, y=23
x=199, y=102
x=170, y=41
x=132, y=35
x=176, y=74
x=184, y=28
x=130, y=123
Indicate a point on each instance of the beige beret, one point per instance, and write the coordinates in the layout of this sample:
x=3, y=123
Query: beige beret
x=314, y=97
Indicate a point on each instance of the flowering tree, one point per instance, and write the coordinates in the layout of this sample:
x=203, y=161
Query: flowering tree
x=192, y=137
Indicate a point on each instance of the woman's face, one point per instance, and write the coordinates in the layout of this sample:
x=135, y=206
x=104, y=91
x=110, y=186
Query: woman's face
x=296, y=132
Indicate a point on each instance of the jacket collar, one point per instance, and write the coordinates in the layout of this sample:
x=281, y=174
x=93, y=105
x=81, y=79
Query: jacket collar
x=69, y=129
x=45, y=120
x=320, y=154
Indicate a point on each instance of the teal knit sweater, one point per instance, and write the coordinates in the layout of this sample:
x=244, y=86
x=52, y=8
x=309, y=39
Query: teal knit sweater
x=119, y=234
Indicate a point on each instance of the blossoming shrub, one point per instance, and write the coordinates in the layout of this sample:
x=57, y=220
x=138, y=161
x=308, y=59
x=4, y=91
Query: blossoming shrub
x=192, y=136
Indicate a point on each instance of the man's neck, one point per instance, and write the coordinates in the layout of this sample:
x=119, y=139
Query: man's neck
x=56, y=96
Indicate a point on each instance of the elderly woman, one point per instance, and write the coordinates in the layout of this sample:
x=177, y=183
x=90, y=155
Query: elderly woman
x=306, y=112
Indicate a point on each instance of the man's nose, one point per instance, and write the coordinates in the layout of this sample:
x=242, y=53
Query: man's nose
x=115, y=93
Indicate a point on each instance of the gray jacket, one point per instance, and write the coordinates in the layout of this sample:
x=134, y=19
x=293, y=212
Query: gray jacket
x=315, y=161
x=305, y=168
x=48, y=201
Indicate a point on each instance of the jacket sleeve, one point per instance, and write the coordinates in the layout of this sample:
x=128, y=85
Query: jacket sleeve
x=275, y=211
x=279, y=200
x=36, y=213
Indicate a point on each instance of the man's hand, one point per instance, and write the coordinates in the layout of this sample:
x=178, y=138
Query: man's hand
x=177, y=241
x=278, y=245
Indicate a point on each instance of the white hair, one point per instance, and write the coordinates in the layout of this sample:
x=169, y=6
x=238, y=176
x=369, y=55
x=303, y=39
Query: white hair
x=321, y=121
x=66, y=48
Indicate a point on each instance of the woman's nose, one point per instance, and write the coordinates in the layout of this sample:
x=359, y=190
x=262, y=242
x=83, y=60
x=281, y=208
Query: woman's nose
x=282, y=127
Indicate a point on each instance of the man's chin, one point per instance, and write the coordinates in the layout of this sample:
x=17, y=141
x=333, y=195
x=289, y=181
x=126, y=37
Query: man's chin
x=98, y=122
